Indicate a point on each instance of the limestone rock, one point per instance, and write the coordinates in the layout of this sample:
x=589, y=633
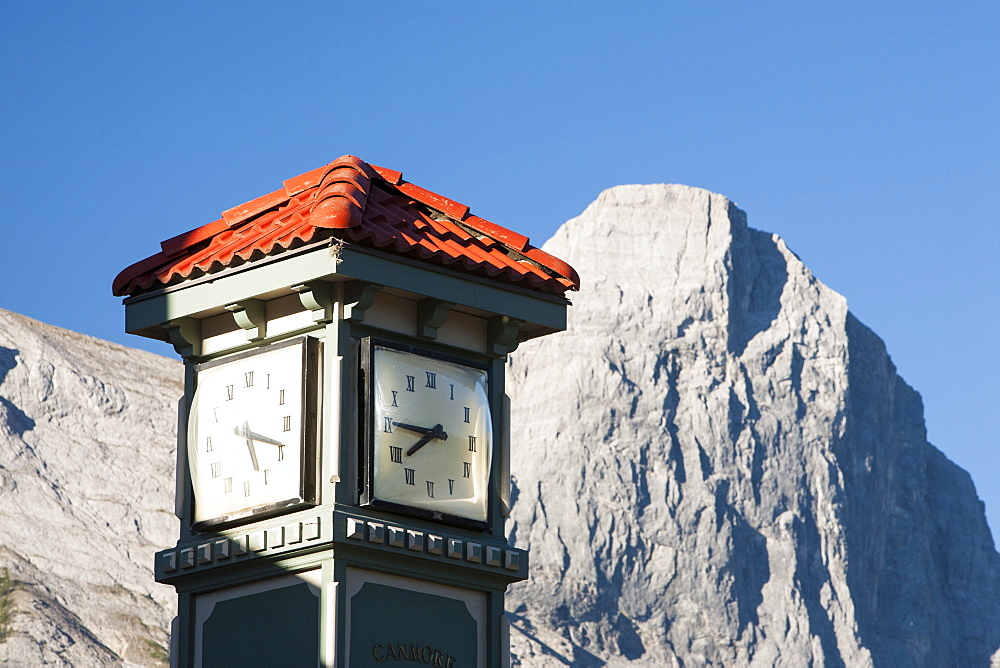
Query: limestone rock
x=87, y=459
x=717, y=464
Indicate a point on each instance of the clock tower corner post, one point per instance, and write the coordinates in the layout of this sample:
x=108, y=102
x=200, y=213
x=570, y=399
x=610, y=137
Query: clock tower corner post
x=343, y=448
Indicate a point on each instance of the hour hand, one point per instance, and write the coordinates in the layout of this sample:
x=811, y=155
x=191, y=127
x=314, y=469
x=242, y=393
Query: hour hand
x=244, y=431
x=437, y=432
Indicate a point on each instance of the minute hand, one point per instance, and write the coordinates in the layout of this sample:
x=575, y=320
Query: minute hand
x=264, y=439
x=254, y=436
x=413, y=428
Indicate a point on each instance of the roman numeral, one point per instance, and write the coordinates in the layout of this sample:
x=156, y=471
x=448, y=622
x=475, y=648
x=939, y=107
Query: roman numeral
x=281, y=453
x=215, y=414
x=248, y=379
x=387, y=427
x=228, y=482
x=409, y=476
x=431, y=380
x=281, y=397
x=451, y=487
x=216, y=469
x=452, y=397
x=468, y=414
x=229, y=392
x=394, y=393
x=265, y=476
x=472, y=444
x=410, y=383
x=466, y=469
x=208, y=444
x=430, y=489
x=288, y=423
x=396, y=454
x=246, y=488
x=268, y=385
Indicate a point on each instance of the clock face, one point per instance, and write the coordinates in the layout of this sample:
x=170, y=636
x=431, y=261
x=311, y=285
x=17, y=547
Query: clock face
x=432, y=434
x=246, y=434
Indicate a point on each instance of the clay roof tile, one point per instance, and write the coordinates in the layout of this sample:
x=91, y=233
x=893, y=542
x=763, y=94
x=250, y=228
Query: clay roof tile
x=363, y=204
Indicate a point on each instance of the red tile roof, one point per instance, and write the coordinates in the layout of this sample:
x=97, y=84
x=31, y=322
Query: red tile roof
x=360, y=204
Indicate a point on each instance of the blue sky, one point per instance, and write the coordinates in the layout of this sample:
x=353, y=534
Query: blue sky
x=865, y=134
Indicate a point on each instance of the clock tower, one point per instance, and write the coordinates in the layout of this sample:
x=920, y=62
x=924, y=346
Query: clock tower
x=343, y=450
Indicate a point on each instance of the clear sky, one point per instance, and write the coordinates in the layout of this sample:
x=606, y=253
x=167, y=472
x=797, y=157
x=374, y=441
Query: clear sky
x=865, y=134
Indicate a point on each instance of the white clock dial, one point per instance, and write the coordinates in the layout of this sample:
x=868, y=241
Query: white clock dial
x=432, y=434
x=245, y=434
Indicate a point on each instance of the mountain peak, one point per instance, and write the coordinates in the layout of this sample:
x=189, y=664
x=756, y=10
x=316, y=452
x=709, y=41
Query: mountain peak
x=717, y=464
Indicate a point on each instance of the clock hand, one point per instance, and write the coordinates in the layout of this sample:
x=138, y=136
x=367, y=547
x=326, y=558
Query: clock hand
x=244, y=431
x=261, y=439
x=437, y=432
x=413, y=428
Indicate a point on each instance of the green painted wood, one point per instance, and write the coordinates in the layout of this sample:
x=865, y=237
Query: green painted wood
x=547, y=311
x=251, y=570
x=183, y=502
x=340, y=576
x=495, y=631
x=498, y=368
x=249, y=631
x=392, y=626
x=279, y=627
x=146, y=315
x=184, y=643
x=347, y=436
x=328, y=616
x=440, y=573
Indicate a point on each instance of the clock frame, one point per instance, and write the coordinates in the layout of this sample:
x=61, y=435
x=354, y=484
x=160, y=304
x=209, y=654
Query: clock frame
x=373, y=433
x=297, y=494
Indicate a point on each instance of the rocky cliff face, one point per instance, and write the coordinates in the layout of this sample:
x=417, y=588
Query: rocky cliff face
x=87, y=457
x=718, y=465
x=715, y=465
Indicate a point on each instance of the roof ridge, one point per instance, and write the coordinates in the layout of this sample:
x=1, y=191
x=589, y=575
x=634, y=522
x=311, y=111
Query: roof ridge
x=338, y=197
x=342, y=193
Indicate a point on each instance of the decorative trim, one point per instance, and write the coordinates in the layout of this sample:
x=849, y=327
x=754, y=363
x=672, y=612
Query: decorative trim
x=221, y=549
x=431, y=315
x=317, y=297
x=286, y=537
x=376, y=532
x=454, y=548
x=355, y=528
x=260, y=542
x=185, y=336
x=250, y=316
x=358, y=298
x=492, y=556
x=412, y=540
x=503, y=334
x=415, y=540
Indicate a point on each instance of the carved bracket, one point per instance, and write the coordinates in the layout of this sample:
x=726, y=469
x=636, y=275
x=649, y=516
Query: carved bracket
x=503, y=334
x=249, y=314
x=185, y=336
x=358, y=298
x=431, y=314
x=317, y=296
